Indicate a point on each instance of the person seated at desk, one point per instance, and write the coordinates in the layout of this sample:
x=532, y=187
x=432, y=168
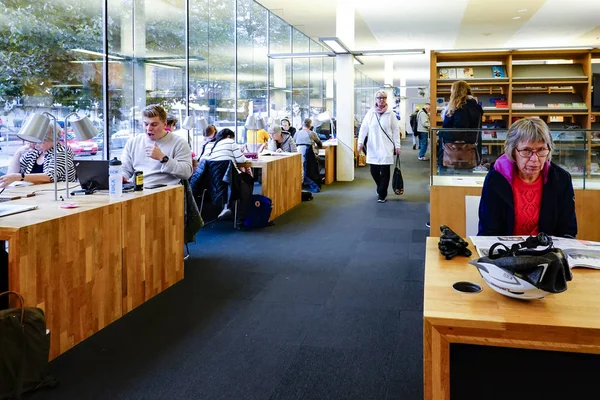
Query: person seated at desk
x=256, y=140
x=163, y=157
x=306, y=137
x=525, y=193
x=34, y=163
x=224, y=148
x=281, y=141
x=308, y=145
x=287, y=127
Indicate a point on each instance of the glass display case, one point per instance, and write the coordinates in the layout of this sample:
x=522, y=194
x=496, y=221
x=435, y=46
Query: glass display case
x=463, y=157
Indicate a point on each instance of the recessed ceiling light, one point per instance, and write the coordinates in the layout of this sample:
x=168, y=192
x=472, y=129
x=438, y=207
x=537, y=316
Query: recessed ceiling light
x=522, y=10
x=516, y=17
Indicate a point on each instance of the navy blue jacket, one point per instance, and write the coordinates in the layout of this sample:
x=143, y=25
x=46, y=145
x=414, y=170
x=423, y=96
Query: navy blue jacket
x=557, y=209
x=468, y=116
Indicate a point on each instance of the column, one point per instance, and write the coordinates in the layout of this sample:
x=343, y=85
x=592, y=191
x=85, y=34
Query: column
x=344, y=109
x=404, y=111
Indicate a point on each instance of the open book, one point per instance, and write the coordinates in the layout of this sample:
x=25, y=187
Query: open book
x=580, y=253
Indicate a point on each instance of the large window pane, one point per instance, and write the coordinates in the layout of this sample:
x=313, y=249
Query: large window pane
x=50, y=62
x=200, y=86
x=300, y=79
x=280, y=41
x=149, y=67
x=252, y=61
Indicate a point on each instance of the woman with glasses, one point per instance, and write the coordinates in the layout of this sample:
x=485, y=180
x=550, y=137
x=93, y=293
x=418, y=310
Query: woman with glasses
x=525, y=193
x=382, y=129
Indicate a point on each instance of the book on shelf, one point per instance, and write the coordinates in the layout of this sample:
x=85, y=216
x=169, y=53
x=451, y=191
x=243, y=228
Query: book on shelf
x=553, y=105
x=465, y=73
x=579, y=105
x=528, y=105
x=447, y=73
x=517, y=105
x=580, y=253
x=565, y=105
x=501, y=103
x=498, y=72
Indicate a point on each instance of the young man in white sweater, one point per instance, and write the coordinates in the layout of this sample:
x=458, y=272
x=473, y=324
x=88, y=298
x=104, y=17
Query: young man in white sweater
x=163, y=156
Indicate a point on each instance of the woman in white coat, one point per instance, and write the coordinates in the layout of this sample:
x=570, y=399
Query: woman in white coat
x=383, y=131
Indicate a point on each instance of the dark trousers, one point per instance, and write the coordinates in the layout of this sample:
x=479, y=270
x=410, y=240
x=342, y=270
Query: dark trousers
x=381, y=176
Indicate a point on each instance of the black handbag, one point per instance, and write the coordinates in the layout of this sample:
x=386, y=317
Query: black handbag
x=24, y=350
x=397, y=181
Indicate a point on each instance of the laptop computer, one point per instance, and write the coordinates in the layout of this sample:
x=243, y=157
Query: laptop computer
x=92, y=174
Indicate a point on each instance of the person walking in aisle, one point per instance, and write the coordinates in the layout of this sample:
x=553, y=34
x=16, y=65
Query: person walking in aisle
x=423, y=130
x=383, y=131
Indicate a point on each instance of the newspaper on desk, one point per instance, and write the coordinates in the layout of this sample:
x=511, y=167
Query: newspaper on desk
x=580, y=253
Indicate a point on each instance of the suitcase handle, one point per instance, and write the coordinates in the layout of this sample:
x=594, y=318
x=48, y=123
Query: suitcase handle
x=20, y=299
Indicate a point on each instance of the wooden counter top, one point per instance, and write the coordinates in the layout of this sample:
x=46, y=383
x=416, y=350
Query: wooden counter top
x=49, y=209
x=578, y=307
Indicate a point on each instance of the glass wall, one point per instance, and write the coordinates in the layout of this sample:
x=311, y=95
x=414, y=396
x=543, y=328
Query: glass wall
x=364, y=94
x=52, y=59
x=280, y=70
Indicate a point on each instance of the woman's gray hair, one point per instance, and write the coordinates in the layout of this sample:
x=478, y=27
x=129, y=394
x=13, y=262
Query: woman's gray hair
x=274, y=129
x=50, y=132
x=527, y=130
x=383, y=92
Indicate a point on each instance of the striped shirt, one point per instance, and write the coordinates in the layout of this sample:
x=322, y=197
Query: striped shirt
x=224, y=150
x=29, y=159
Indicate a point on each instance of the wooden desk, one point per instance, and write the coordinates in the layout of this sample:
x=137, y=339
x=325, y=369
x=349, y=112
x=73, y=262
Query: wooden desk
x=87, y=266
x=329, y=152
x=563, y=322
x=281, y=180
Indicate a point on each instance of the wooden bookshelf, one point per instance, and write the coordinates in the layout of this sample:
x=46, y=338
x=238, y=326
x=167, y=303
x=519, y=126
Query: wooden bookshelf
x=533, y=77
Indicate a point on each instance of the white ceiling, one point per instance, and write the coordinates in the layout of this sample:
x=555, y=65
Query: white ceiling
x=446, y=24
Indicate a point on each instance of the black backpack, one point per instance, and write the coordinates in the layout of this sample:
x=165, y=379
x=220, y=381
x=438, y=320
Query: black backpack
x=24, y=350
x=414, y=122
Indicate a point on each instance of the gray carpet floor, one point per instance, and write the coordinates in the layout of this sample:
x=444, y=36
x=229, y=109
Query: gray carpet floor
x=325, y=304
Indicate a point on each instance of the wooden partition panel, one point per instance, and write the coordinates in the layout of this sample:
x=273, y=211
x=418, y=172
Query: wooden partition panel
x=330, y=153
x=282, y=182
x=71, y=268
x=448, y=208
x=152, y=246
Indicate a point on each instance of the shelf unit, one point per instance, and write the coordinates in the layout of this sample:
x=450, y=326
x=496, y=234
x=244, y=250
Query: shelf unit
x=541, y=78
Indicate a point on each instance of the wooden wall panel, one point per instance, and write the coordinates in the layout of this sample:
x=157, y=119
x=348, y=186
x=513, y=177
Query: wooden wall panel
x=281, y=181
x=71, y=268
x=448, y=208
x=153, y=245
x=330, y=153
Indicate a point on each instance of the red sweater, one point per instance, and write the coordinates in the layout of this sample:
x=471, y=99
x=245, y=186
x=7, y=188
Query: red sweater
x=527, y=199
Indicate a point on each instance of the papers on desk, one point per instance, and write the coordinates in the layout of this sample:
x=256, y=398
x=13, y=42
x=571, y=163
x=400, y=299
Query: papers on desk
x=20, y=184
x=580, y=253
x=274, y=153
x=9, y=209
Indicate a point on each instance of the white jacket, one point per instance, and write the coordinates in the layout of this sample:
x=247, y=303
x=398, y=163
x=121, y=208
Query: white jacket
x=380, y=149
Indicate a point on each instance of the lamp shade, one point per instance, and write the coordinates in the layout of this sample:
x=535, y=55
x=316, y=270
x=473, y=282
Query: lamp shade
x=35, y=128
x=260, y=123
x=188, y=123
x=202, y=124
x=84, y=129
x=250, y=122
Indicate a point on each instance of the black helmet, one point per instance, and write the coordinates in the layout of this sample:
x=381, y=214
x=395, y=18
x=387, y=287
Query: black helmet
x=524, y=273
